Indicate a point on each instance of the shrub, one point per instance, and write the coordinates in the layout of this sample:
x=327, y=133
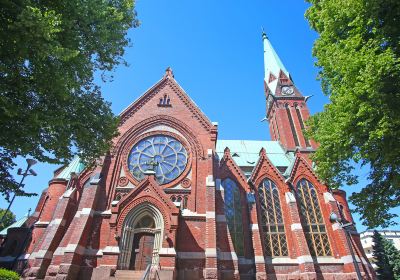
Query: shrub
x=6, y=274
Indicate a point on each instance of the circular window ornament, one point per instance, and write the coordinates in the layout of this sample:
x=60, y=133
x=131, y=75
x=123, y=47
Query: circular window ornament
x=163, y=154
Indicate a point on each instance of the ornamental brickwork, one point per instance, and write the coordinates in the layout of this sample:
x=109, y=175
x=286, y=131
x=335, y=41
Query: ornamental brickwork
x=222, y=213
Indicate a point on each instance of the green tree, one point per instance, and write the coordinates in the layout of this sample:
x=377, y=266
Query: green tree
x=50, y=106
x=8, y=219
x=387, y=258
x=358, y=55
x=394, y=258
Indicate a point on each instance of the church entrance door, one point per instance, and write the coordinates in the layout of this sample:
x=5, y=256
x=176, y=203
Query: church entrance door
x=142, y=251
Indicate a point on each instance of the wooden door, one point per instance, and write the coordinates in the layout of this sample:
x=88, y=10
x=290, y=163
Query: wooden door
x=142, y=251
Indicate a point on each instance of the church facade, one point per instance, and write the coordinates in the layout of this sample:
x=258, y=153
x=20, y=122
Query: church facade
x=173, y=201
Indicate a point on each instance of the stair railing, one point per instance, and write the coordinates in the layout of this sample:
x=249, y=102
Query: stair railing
x=146, y=273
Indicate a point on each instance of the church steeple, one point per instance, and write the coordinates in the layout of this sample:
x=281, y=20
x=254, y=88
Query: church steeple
x=286, y=109
x=273, y=66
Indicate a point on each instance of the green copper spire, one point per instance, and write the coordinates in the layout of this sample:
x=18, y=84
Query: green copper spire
x=272, y=64
x=75, y=166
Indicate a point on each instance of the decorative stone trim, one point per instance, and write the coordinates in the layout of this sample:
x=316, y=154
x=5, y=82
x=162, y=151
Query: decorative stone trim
x=111, y=250
x=41, y=224
x=259, y=259
x=296, y=226
x=210, y=215
x=70, y=248
x=329, y=260
x=167, y=252
x=128, y=188
x=211, y=252
x=328, y=197
x=305, y=259
x=210, y=181
x=209, y=152
x=187, y=214
x=57, y=222
x=114, y=203
x=281, y=260
x=95, y=179
x=336, y=226
x=290, y=198
x=106, y=213
x=68, y=193
x=186, y=183
x=85, y=212
x=41, y=254
x=123, y=181
x=254, y=226
x=349, y=259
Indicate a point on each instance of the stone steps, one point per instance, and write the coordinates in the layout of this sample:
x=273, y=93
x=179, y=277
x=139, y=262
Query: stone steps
x=128, y=274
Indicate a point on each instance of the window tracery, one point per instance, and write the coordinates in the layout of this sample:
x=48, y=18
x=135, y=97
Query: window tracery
x=272, y=225
x=233, y=214
x=312, y=221
x=164, y=154
x=181, y=199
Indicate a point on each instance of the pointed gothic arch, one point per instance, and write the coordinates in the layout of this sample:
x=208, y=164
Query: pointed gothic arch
x=312, y=219
x=272, y=232
x=233, y=214
x=133, y=225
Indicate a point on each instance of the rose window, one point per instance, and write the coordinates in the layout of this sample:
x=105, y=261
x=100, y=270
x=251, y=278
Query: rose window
x=163, y=154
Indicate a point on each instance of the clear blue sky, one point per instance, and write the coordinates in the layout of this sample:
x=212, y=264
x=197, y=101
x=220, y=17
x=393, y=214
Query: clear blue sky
x=215, y=51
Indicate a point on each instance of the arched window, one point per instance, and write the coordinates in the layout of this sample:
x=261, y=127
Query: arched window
x=233, y=214
x=272, y=226
x=185, y=201
x=311, y=219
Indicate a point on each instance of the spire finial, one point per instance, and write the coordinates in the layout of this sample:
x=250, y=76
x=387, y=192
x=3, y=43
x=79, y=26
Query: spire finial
x=263, y=34
x=169, y=73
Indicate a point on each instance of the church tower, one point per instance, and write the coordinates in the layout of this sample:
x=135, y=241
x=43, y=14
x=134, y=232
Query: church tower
x=172, y=201
x=286, y=109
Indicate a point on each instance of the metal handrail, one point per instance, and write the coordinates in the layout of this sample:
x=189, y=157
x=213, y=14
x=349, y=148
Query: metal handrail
x=158, y=276
x=146, y=272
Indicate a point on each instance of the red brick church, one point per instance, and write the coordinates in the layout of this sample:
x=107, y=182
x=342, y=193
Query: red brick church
x=173, y=201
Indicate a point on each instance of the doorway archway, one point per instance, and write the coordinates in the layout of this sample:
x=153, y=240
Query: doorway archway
x=141, y=240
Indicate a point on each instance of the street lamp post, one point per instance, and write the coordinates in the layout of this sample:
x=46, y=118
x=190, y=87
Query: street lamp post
x=27, y=172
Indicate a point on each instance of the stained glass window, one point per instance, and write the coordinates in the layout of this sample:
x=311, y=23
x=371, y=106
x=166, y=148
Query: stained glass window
x=312, y=221
x=167, y=154
x=233, y=214
x=272, y=226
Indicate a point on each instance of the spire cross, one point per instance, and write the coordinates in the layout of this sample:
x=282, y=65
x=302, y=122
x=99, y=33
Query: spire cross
x=153, y=164
x=263, y=34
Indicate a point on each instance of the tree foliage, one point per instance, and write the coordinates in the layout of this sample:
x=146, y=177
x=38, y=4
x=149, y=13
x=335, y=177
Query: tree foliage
x=8, y=219
x=6, y=274
x=387, y=258
x=358, y=53
x=50, y=105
